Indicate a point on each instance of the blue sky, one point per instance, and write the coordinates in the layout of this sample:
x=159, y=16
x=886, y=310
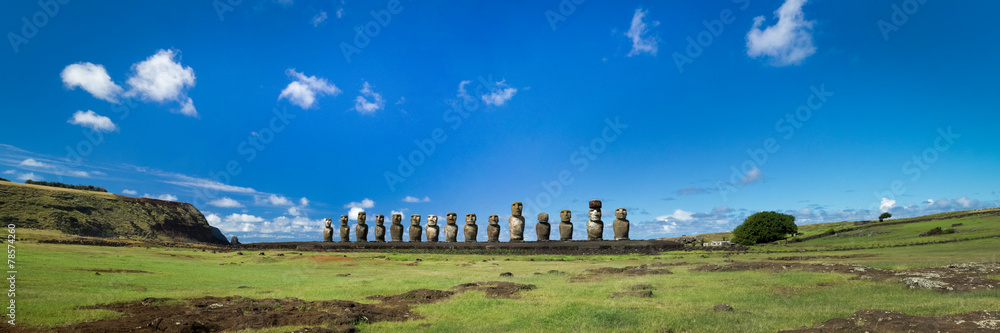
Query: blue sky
x=271, y=115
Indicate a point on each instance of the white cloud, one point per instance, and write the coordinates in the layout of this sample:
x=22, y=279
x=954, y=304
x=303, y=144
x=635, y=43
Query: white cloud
x=365, y=203
x=964, y=202
x=319, y=18
x=670, y=227
x=788, y=42
x=160, y=79
x=278, y=227
x=9, y=172
x=498, y=97
x=751, y=177
x=129, y=192
x=293, y=211
x=92, y=78
x=278, y=200
x=304, y=89
x=353, y=213
x=33, y=163
x=92, y=120
x=29, y=176
x=188, y=181
x=340, y=13
x=304, y=202
x=886, y=204
x=361, y=103
x=394, y=212
x=225, y=202
x=78, y=173
x=678, y=215
x=638, y=32
x=415, y=199
x=165, y=197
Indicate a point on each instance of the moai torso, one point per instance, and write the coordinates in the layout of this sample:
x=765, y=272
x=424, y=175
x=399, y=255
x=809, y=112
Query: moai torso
x=621, y=224
x=415, y=230
x=471, y=229
x=234, y=241
x=380, y=228
x=493, y=230
x=362, y=229
x=566, y=226
x=432, y=228
x=450, y=228
x=345, y=231
x=396, y=228
x=543, y=229
x=595, y=227
x=328, y=231
x=516, y=222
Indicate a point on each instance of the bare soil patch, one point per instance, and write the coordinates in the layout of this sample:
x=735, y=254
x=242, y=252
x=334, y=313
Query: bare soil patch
x=596, y=274
x=891, y=321
x=950, y=278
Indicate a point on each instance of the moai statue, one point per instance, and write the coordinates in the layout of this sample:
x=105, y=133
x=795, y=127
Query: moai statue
x=235, y=242
x=396, y=229
x=621, y=224
x=471, y=229
x=415, y=229
x=451, y=229
x=493, y=230
x=565, y=227
x=380, y=228
x=432, y=228
x=345, y=231
x=595, y=227
x=542, y=229
x=362, y=229
x=328, y=231
x=516, y=222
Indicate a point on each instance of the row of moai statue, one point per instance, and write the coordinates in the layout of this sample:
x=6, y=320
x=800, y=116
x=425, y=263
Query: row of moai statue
x=516, y=223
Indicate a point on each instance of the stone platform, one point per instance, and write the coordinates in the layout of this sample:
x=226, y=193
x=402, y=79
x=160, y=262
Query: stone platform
x=550, y=247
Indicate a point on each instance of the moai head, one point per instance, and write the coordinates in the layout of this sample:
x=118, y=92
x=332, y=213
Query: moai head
x=470, y=219
x=494, y=219
x=451, y=218
x=397, y=218
x=328, y=222
x=362, y=216
x=516, y=208
x=565, y=215
x=432, y=220
x=621, y=213
x=595, y=210
x=343, y=220
x=415, y=220
x=543, y=217
x=379, y=219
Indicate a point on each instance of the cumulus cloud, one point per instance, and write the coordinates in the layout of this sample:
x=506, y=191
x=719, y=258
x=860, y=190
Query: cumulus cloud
x=274, y=200
x=279, y=227
x=497, y=97
x=225, y=202
x=319, y=18
x=92, y=120
x=365, y=203
x=161, y=79
x=752, y=176
x=304, y=202
x=678, y=215
x=886, y=204
x=129, y=192
x=92, y=78
x=639, y=33
x=165, y=197
x=294, y=211
x=304, y=89
x=30, y=176
x=787, y=42
x=30, y=162
x=365, y=106
x=413, y=199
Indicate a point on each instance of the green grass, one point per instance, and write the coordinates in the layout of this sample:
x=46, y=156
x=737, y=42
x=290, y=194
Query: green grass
x=54, y=280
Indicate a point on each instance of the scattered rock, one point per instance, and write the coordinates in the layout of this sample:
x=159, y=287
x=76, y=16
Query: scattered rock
x=344, y=274
x=891, y=321
x=642, y=287
x=722, y=308
x=506, y=274
x=239, y=253
x=957, y=225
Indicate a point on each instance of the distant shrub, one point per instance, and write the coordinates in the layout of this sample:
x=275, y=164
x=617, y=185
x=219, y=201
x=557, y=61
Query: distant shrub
x=3, y=180
x=764, y=227
x=937, y=231
x=830, y=231
x=796, y=239
x=884, y=216
x=75, y=187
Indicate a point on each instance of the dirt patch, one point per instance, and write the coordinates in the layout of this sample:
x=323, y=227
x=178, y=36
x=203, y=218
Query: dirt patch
x=495, y=289
x=891, y=321
x=951, y=278
x=330, y=258
x=418, y=296
x=639, y=294
x=598, y=273
x=116, y=271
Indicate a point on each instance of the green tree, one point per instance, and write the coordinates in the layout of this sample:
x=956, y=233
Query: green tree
x=765, y=227
x=884, y=216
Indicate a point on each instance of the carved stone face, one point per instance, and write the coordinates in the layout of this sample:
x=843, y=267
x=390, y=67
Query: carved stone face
x=343, y=220
x=451, y=217
x=432, y=220
x=494, y=219
x=543, y=217
x=362, y=216
x=566, y=215
x=621, y=213
x=379, y=219
x=595, y=215
x=516, y=208
x=415, y=219
x=397, y=218
x=470, y=218
x=328, y=222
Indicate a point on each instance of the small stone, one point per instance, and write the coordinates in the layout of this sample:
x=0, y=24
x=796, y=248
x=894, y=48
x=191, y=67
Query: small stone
x=722, y=308
x=506, y=274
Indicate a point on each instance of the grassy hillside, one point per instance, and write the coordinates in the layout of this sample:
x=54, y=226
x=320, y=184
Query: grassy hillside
x=98, y=214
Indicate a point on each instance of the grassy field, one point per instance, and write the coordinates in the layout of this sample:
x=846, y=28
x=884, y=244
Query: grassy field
x=56, y=279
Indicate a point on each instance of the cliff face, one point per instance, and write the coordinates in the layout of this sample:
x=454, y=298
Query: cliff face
x=100, y=214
